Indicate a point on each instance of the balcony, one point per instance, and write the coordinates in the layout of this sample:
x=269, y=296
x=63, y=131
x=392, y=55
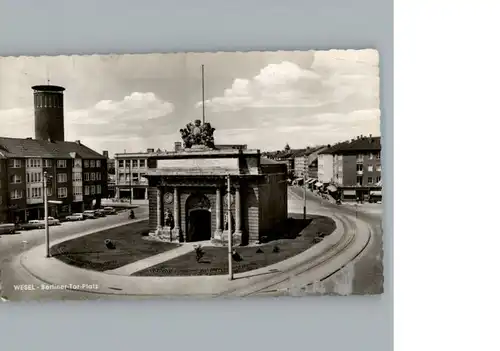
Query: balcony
x=360, y=173
x=359, y=160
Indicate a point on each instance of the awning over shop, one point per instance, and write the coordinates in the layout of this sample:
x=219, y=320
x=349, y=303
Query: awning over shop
x=309, y=181
x=299, y=179
x=318, y=184
x=350, y=192
x=376, y=192
x=331, y=188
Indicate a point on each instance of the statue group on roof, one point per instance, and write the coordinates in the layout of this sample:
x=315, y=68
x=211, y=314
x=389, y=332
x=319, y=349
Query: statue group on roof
x=198, y=134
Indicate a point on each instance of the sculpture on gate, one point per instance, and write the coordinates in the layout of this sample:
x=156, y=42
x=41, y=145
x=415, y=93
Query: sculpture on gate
x=169, y=219
x=198, y=134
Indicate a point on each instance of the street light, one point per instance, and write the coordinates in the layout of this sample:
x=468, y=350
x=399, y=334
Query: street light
x=130, y=180
x=229, y=231
x=305, y=211
x=46, y=202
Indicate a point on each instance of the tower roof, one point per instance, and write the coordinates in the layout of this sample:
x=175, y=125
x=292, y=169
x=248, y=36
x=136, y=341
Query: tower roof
x=49, y=88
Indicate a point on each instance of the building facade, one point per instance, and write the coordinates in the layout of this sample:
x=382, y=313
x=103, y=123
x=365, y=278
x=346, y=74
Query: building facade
x=306, y=162
x=130, y=171
x=354, y=166
x=188, y=194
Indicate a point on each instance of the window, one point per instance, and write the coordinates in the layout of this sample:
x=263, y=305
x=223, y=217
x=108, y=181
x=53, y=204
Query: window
x=359, y=158
x=370, y=180
x=378, y=156
x=87, y=190
x=16, y=194
x=35, y=193
x=142, y=163
x=86, y=177
x=370, y=156
x=92, y=176
x=77, y=163
x=34, y=163
x=98, y=189
x=62, y=192
x=49, y=192
x=378, y=179
x=61, y=163
x=33, y=177
x=121, y=177
x=92, y=189
x=370, y=168
x=98, y=163
x=340, y=157
x=98, y=176
x=134, y=163
x=62, y=177
x=47, y=163
x=15, y=179
x=379, y=168
x=77, y=176
x=15, y=163
x=359, y=168
x=86, y=163
x=359, y=180
x=77, y=190
x=339, y=169
x=120, y=164
x=92, y=163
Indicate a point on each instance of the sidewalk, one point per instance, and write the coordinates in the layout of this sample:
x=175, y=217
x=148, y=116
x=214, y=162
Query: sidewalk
x=62, y=276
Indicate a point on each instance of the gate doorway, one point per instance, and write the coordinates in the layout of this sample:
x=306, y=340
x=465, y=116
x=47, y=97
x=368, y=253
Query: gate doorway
x=199, y=226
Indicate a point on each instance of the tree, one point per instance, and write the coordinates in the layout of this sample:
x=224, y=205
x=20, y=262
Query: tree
x=287, y=147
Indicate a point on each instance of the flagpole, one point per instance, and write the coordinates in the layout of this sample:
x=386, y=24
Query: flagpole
x=203, y=93
x=229, y=231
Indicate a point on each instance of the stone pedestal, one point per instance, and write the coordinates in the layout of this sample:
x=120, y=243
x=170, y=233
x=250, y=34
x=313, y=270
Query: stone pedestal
x=236, y=238
x=167, y=235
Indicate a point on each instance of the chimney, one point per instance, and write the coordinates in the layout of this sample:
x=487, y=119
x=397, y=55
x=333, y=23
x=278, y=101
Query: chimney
x=105, y=154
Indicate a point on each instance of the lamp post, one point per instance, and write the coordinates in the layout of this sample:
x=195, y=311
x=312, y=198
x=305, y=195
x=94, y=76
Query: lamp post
x=130, y=180
x=304, y=206
x=46, y=214
x=229, y=231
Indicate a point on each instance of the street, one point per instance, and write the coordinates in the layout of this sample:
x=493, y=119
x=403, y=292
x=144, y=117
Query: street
x=364, y=274
x=13, y=245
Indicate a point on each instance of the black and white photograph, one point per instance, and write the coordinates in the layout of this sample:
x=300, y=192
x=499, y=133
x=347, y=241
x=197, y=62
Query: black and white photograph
x=206, y=175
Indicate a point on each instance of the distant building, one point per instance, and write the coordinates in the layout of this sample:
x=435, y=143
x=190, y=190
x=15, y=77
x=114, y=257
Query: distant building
x=130, y=170
x=306, y=162
x=77, y=175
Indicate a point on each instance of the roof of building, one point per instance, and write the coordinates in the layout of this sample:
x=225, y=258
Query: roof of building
x=309, y=151
x=21, y=148
x=360, y=144
x=267, y=161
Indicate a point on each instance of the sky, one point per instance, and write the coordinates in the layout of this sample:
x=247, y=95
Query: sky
x=130, y=103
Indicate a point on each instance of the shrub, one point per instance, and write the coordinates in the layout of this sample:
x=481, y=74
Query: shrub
x=276, y=249
x=199, y=253
x=109, y=244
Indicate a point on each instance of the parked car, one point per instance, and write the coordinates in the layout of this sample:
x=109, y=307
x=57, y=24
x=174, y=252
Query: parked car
x=89, y=214
x=52, y=221
x=33, y=224
x=7, y=228
x=100, y=213
x=109, y=210
x=75, y=217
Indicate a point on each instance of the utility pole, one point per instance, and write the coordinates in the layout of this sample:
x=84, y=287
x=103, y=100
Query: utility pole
x=46, y=214
x=305, y=211
x=130, y=180
x=203, y=93
x=229, y=231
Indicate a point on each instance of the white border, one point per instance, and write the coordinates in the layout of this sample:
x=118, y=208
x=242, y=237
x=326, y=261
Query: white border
x=446, y=157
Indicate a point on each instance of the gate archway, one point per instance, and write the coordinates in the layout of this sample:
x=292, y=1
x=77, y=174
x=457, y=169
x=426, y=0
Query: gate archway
x=198, y=218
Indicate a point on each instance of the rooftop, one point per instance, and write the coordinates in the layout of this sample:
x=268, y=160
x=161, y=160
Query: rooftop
x=24, y=148
x=362, y=143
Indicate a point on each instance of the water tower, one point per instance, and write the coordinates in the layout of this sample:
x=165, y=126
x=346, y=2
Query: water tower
x=49, y=112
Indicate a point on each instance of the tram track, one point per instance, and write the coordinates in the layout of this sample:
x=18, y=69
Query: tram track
x=315, y=266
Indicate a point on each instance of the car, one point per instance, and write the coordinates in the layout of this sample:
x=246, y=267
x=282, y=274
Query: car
x=89, y=214
x=33, y=224
x=109, y=210
x=100, y=213
x=52, y=221
x=7, y=228
x=75, y=217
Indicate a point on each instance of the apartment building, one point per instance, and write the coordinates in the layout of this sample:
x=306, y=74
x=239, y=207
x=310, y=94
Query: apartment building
x=130, y=169
x=76, y=177
x=354, y=166
x=306, y=162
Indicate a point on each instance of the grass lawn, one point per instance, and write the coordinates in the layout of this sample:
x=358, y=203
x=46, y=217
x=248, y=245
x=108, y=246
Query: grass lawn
x=90, y=252
x=300, y=236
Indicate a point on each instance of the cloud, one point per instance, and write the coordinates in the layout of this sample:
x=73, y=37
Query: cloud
x=346, y=78
x=135, y=117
